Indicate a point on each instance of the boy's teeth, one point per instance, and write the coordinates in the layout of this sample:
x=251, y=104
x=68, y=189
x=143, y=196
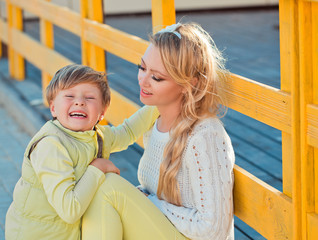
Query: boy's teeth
x=78, y=114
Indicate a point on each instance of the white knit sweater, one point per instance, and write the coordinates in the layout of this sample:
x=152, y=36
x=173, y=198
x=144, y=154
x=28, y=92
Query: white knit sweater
x=205, y=180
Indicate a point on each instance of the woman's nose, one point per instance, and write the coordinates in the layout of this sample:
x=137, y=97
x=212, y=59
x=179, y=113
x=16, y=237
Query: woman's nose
x=143, y=79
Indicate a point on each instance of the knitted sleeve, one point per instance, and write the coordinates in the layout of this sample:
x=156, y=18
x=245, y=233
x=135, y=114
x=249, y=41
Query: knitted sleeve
x=210, y=159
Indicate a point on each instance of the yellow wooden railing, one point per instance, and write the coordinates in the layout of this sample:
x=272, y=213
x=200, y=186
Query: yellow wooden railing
x=293, y=109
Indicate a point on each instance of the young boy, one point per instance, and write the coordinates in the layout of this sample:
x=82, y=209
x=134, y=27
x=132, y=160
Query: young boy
x=66, y=161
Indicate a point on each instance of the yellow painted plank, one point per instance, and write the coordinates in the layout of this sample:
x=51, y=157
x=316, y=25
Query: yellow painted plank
x=264, y=103
x=96, y=54
x=163, y=14
x=306, y=97
x=47, y=39
x=84, y=43
x=261, y=206
x=314, y=34
x=41, y=56
x=312, y=129
x=316, y=178
x=126, y=46
x=289, y=64
x=312, y=227
x=60, y=16
x=95, y=10
x=19, y=68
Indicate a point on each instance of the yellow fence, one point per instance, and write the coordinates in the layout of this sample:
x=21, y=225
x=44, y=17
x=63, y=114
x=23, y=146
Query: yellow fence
x=293, y=109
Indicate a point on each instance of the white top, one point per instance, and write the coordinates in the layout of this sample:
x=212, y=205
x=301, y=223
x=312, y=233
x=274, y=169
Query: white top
x=205, y=180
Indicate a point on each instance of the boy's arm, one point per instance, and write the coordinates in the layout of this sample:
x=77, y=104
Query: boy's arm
x=132, y=128
x=55, y=170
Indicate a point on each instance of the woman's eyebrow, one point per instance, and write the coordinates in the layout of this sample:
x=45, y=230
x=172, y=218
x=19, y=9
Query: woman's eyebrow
x=152, y=70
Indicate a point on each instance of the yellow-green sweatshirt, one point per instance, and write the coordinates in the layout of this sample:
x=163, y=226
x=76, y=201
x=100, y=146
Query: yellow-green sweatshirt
x=57, y=182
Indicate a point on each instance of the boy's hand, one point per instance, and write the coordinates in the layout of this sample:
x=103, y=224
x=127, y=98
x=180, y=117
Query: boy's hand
x=105, y=165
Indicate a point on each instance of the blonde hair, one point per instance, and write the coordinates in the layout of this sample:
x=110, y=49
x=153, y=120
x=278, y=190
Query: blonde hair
x=196, y=64
x=74, y=74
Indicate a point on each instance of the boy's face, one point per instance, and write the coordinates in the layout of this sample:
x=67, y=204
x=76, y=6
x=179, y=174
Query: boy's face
x=78, y=108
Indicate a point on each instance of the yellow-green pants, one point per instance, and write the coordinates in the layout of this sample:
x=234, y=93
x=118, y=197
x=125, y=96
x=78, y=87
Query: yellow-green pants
x=120, y=211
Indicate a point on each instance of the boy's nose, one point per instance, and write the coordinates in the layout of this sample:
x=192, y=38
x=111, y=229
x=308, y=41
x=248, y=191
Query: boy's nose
x=79, y=102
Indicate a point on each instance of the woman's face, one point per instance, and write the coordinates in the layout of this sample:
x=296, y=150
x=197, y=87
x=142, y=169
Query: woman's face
x=157, y=88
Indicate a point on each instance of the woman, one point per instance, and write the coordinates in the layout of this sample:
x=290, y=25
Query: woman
x=186, y=171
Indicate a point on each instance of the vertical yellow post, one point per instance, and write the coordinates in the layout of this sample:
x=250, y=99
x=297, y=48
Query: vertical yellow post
x=47, y=39
x=315, y=86
x=16, y=62
x=306, y=97
x=289, y=52
x=92, y=55
x=163, y=14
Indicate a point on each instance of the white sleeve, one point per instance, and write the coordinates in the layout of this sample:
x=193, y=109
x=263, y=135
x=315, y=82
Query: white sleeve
x=210, y=160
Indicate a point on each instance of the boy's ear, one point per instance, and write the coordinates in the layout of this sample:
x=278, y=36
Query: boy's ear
x=52, y=109
x=103, y=114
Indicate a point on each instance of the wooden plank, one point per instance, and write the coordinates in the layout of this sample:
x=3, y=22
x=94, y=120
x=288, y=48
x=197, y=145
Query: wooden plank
x=262, y=207
x=47, y=39
x=314, y=30
x=163, y=14
x=312, y=128
x=288, y=26
x=259, y=101
x=41, y=56
x=312, y=227
x=126, y=46
x=60, y=16
x=96, y=54
x=289, y=52
x=306, y=97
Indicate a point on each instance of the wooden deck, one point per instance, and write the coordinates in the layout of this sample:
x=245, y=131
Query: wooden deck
x=250, y=42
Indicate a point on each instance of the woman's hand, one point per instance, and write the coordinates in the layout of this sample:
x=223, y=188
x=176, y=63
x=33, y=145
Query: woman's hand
x=105, y=165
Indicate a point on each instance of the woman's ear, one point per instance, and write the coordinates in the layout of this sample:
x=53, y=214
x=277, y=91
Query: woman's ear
x=194, y=81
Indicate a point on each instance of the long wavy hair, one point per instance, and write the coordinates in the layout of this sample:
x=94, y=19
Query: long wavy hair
x=196, y=64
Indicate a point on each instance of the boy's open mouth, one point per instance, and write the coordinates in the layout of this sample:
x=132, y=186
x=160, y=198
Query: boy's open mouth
x=78, y=114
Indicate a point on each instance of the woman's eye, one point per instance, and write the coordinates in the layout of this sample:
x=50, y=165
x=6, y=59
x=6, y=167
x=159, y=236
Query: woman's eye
x=141, y=67
x=156, y=79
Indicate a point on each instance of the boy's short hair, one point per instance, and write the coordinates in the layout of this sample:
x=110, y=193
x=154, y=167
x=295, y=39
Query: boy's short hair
x=74, y=74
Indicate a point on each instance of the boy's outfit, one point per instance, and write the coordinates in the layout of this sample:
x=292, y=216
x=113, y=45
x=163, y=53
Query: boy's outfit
x=57, y=182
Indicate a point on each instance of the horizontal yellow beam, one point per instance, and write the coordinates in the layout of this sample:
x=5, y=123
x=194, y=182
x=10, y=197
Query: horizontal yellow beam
x=259, y=101
x=126, y=46
x=41, y=56
x=312, y=128
x=261, y=206
x=60, y=16
x=4, y=31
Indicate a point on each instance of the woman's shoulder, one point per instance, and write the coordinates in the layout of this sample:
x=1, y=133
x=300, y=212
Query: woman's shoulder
x=208, y=125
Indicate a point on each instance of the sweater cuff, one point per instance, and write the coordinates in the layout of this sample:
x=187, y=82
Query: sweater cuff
x=98, y=173
x=155, y=200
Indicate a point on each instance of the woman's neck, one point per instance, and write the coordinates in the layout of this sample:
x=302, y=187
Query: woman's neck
x=166, y=120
